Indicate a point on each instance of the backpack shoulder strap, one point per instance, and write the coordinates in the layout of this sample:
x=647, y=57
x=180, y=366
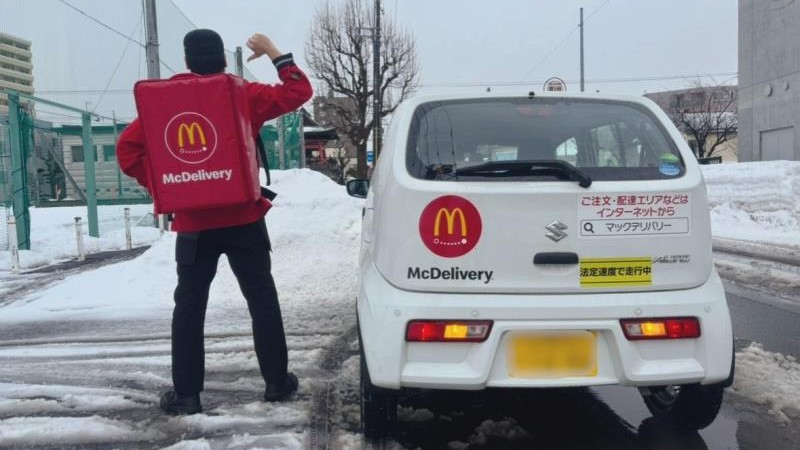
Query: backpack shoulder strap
x=262, y=155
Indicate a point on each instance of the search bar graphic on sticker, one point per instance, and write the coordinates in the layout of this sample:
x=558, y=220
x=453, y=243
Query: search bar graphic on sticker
x=633, y=227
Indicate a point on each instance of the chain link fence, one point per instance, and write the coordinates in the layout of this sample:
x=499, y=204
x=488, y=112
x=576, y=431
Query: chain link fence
x=5, y=183
x=54, y=162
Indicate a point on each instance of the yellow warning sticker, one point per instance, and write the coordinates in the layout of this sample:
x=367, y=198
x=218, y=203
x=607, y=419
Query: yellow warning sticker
x=616, y=272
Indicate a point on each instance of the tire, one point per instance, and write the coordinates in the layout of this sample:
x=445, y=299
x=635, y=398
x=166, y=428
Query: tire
x=690, y=406
x=378, y=406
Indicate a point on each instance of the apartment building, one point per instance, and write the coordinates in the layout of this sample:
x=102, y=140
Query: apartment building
x=16, y=69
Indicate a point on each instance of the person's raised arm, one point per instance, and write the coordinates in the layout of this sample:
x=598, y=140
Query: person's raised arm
x=270, y=101
x=262, y=45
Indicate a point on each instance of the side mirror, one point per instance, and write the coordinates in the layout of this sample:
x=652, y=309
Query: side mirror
x=358, y=188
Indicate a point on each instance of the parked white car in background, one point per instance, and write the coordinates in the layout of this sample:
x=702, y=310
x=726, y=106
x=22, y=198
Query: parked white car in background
x=534, y=242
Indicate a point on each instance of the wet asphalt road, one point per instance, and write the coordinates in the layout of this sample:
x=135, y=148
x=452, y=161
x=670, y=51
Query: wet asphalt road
x=761, y=318
x=613, y=417
x=598, y=418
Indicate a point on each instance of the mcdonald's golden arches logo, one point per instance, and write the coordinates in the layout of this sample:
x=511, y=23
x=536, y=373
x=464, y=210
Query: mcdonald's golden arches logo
x=190, y=137
x=190, y=131
x=450, y=226
x=450, y=216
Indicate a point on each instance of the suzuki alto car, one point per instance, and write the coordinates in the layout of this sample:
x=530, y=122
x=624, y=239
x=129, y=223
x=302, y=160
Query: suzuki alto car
x=539, y=241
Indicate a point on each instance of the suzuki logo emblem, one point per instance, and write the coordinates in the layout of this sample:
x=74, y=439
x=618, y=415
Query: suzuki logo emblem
x=556, y=231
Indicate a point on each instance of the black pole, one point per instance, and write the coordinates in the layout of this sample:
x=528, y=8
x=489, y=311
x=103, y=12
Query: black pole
x=582, y=79
x=376, y=77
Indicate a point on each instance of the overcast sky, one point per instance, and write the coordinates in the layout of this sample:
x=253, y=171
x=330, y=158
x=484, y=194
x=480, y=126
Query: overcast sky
x=463, y=45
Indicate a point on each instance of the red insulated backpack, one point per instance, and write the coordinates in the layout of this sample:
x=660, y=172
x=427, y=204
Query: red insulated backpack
x=199, y=142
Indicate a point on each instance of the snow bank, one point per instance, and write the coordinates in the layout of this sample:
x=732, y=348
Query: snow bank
x=53, y=234
x=769, y=378
x=755, y=201
x=315, y=232
x=70, y=430
x=767, y=186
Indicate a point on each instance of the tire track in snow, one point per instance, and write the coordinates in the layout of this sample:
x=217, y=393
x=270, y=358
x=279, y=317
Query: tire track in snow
x=324, y=404
x=77, y=366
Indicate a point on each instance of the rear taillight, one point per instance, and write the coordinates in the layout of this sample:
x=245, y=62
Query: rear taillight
x=448, y=330
x=661, y=328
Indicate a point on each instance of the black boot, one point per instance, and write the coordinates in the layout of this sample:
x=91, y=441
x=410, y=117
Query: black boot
x=174, y=403
x=279, y=391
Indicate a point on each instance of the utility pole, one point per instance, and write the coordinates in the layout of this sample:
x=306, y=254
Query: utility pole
x=151, y=47
x=153, y=68
x=119, y=172
x=239, y=64
x=581, y=25
x=376, y=79
x=281, y=143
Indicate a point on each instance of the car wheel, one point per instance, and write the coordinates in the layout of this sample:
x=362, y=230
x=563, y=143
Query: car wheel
x=378, y=406
x=690, y=406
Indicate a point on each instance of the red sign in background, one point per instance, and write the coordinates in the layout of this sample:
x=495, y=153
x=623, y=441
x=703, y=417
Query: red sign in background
x=190, y=137
x=450, y=226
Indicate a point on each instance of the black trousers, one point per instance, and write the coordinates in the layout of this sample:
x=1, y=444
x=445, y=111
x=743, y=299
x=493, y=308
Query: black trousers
x=247, y=248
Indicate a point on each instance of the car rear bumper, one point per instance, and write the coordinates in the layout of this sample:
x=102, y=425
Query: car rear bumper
x=393, y=363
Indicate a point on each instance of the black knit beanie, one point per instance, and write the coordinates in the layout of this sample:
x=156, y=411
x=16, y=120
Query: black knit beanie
x=204, y=52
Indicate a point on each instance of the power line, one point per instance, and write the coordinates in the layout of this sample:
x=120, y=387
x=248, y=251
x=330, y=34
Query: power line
x=168, y=67
x=595, y=81
x=194, y=26
x=108, y=27
x=114, y=73
x=183, y=14
x=115, y=31
x=543, y=60
x=476, y=83
x=596, y=11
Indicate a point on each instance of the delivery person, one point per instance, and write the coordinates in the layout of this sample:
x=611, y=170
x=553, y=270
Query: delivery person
x=238, y=231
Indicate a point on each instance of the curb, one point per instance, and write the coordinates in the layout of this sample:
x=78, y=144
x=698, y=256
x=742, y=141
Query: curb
x=756, y=251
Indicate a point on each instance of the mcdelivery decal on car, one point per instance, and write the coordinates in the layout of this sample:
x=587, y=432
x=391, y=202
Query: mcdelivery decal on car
x=450, y=226
x=453, y=273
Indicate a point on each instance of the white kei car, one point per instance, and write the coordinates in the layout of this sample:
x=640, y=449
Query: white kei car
x=537, y=241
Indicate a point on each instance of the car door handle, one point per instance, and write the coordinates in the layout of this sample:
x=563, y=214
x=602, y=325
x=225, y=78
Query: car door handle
x=555, y=258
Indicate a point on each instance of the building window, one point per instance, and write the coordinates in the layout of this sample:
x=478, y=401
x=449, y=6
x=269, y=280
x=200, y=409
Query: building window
x=77, y=153
x=109, y=153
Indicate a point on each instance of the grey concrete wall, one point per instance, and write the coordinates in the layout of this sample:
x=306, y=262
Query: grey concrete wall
x=769, y=73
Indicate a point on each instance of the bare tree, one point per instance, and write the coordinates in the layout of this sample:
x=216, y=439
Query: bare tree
x=341, y=162
x=339, y=53
x=708, y=114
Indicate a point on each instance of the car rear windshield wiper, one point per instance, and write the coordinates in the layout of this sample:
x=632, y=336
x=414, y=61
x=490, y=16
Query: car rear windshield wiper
x=555, y=168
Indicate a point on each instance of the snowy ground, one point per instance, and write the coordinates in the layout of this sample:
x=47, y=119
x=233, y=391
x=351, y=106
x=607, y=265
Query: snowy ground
x=99, y=384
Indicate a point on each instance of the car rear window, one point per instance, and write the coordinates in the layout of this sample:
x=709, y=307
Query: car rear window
x=607, y=140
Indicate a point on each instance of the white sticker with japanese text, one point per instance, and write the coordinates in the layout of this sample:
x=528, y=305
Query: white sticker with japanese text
x=632, y=215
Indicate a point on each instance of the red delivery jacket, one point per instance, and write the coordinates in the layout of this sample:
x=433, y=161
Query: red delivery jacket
x=266, y=102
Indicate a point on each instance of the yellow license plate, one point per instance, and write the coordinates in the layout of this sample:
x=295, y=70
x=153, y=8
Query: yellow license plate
x=553, y=355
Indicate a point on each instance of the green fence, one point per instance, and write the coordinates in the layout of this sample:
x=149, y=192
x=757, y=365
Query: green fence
x=5, y=182
x=283, y=140
x=43, y=164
